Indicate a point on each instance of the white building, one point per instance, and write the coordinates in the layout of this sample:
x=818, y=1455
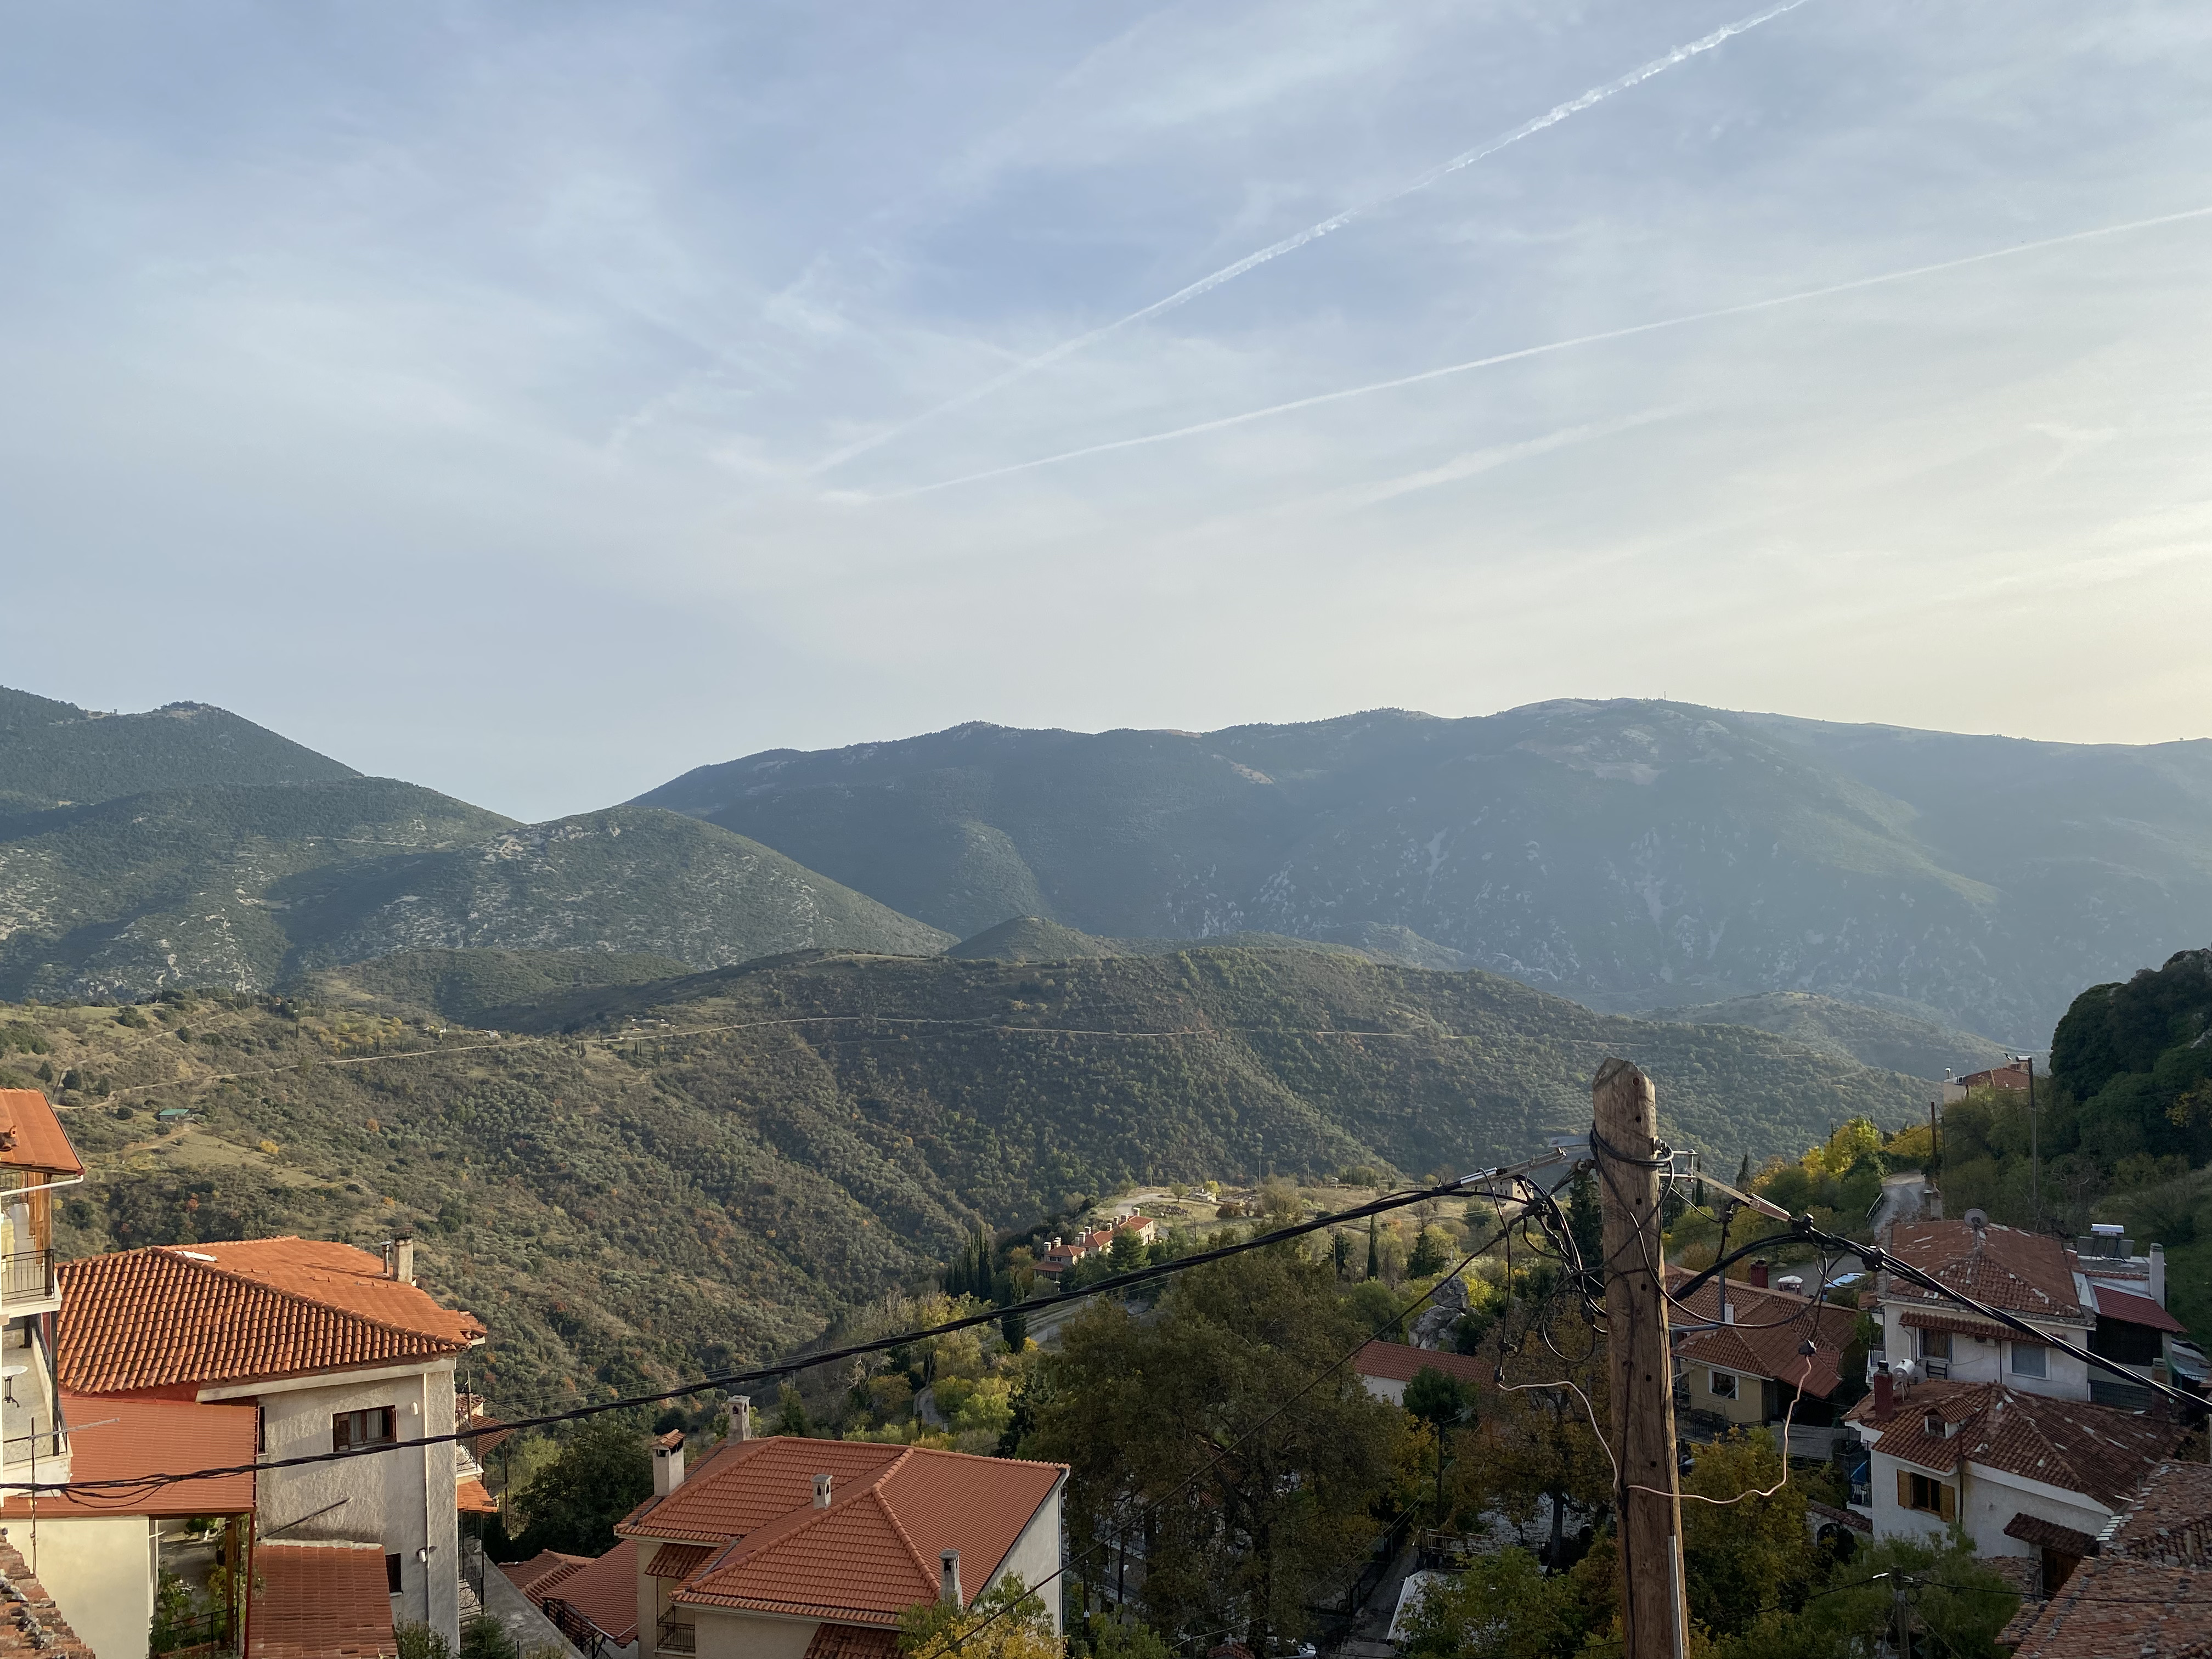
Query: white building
x=330, y=1348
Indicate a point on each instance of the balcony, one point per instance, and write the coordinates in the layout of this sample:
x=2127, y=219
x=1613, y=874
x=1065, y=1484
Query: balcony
x=675, y=1635
x=28, y=1283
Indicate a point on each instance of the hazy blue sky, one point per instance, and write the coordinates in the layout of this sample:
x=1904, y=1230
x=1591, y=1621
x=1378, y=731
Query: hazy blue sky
x=537, y=401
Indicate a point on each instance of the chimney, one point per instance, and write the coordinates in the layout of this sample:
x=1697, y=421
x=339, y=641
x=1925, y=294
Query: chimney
x=949, y=1579
x=1885, y=1395
x=741, y=1417
x=1728, y=1312
x=399, y=1256
x=821, y=1492
x=2158, y=1275
x=1757, y=1275
x=1931, y=1204
x=667, y=1462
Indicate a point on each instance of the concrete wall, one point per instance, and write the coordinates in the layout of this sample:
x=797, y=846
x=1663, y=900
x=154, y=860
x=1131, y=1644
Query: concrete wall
x=1891, y=1518
x=100, y=1569
x=1748, y=1407
x=727, y=1634
x=1035, y=1556
x=1386, y=1388
x=402, y=1499
x=1991, y=1499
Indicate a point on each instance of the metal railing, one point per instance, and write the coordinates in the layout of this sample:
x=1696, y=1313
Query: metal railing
x=27, y=1276
x=675, y=1635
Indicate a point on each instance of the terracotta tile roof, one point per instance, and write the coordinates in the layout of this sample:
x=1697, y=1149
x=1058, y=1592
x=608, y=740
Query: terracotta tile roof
x=867, y=1557
x=541, y=1571
x=2114, y=1607
x=2043, y=1535
x=1769, y=1328
x=29, y=1622
x=603, y=1590
x=321, y=1601
x=32, y=1137
x=1851, y=1518
x=2021, y=1272
x=2132, y=1310
x=473, y=1497
x=223, y=1313
x=852, y=1642
x=130, y=1439
x=2103, y=1454
x=679, y=1560
x=1958, y=1324
x=2170, y=1518
x=1401, y=1362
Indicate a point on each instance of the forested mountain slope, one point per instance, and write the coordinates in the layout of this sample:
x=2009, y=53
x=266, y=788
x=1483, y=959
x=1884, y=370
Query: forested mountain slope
x=1879, y=1037
x=1630, y=853
x=643, y=1180
x=52, y=754
x=190, y=847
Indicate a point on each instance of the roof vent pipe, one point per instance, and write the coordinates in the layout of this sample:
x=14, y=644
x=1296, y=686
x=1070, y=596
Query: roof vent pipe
x=949, y=1579
x=821, y=1492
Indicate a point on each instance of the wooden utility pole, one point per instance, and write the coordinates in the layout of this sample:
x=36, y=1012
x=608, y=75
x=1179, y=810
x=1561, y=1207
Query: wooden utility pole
x=1624, y=1141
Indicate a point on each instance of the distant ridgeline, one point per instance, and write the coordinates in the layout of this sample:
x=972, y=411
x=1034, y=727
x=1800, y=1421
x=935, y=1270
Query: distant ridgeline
x=1629, y=853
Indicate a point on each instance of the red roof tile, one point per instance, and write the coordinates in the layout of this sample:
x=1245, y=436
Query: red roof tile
x=224, y=1313
x=2171, y=1519
x=852, y=1642
x=1400, y=1362
x=679, y=1560
x=1769, y=1328
x=2132, y=1310
x=130, y=1439
x=473, y=1497
x=872, y=1553
x=605, y=1590
x=32, y=1137
x=30, y=1623
x=2104, y=1455
x=321, y=1601
x=541, y=1571
x=2021, y=1272
x=2114, y=1608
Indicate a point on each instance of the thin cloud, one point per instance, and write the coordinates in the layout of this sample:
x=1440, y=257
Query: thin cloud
x=1320, y=398
x=1230, y=273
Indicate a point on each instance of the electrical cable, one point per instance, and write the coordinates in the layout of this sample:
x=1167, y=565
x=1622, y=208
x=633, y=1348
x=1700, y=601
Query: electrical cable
x=1114, y=1283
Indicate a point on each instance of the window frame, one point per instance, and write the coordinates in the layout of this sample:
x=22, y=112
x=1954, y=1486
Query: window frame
x=2042, y=1352
x=354, y=1430
x=1943, y=1501
x=1715, y=1377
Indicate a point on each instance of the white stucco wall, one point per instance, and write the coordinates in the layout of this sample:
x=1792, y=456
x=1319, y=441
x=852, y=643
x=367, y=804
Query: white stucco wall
x=726, y=1634
x=1385, y=1387
x=1891, y=1518
x=401, y=1500
x=1987, y=1501
x=100, y=1570
x=1035, y=1555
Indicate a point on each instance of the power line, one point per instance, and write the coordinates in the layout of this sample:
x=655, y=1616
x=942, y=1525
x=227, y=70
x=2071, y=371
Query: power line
x=1114, y=1283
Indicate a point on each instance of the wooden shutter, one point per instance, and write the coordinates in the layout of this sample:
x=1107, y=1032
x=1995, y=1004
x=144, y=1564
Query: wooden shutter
x=1904, y=1489
x=1946, y=1499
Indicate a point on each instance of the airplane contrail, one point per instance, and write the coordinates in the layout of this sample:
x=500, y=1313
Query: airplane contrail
x=1524, y=352
x=1230, y=273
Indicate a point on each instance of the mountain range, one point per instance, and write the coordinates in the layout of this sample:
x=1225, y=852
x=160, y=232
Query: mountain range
x=1628, y=854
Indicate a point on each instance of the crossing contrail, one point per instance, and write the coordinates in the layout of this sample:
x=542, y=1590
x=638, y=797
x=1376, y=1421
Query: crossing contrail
x=1321, y=397
x=1230, y=273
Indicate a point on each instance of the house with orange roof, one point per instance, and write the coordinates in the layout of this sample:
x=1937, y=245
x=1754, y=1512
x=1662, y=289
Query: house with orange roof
x=591, y=1602
x=787, y=1548
x=323, y=1348
x=1752, y=1355
x=2022, y=1474
x=35, y=1159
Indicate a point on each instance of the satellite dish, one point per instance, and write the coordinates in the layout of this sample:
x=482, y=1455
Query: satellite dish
x=1978, y=1220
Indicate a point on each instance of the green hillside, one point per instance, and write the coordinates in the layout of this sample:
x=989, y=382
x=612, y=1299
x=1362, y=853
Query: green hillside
x=647, y=1179
x=470, y=987
x=53, y=754
x=1626, y=852
x=1033, y=939
x=1850, y=1031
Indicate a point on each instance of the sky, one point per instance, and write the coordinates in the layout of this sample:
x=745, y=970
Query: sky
x=535, y=402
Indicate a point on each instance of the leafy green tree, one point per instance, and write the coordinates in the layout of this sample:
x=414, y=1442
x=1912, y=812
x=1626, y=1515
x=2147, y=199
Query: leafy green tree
x=1008, y=1621
x=1117, y=1636
x=1374, y=1250
x=1947, y=1593
x=1586, y=1226
x=602, y=1472
x=1430, y=1254
x=1445, y=1404
x=1256, y=1482
x=1502, y=1606
x=1128, y=1253
x=1339, y=1252
x=1014, y=1331
x=790, y=1418
x=1743, y=1556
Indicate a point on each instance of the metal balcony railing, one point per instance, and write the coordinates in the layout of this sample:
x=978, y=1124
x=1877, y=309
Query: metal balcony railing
x=675, y=1635
x=27, y=1276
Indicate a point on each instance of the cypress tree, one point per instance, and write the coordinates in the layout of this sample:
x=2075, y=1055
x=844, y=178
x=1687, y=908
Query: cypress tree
x=1374, y=1251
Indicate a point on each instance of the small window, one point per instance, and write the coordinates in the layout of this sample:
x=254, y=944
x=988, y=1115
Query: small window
x=2030, y=1359
x=1928, y=1496
x=1935, y=1345
x=1723, y=1385
x=391, y=1574
x=372, y=1427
